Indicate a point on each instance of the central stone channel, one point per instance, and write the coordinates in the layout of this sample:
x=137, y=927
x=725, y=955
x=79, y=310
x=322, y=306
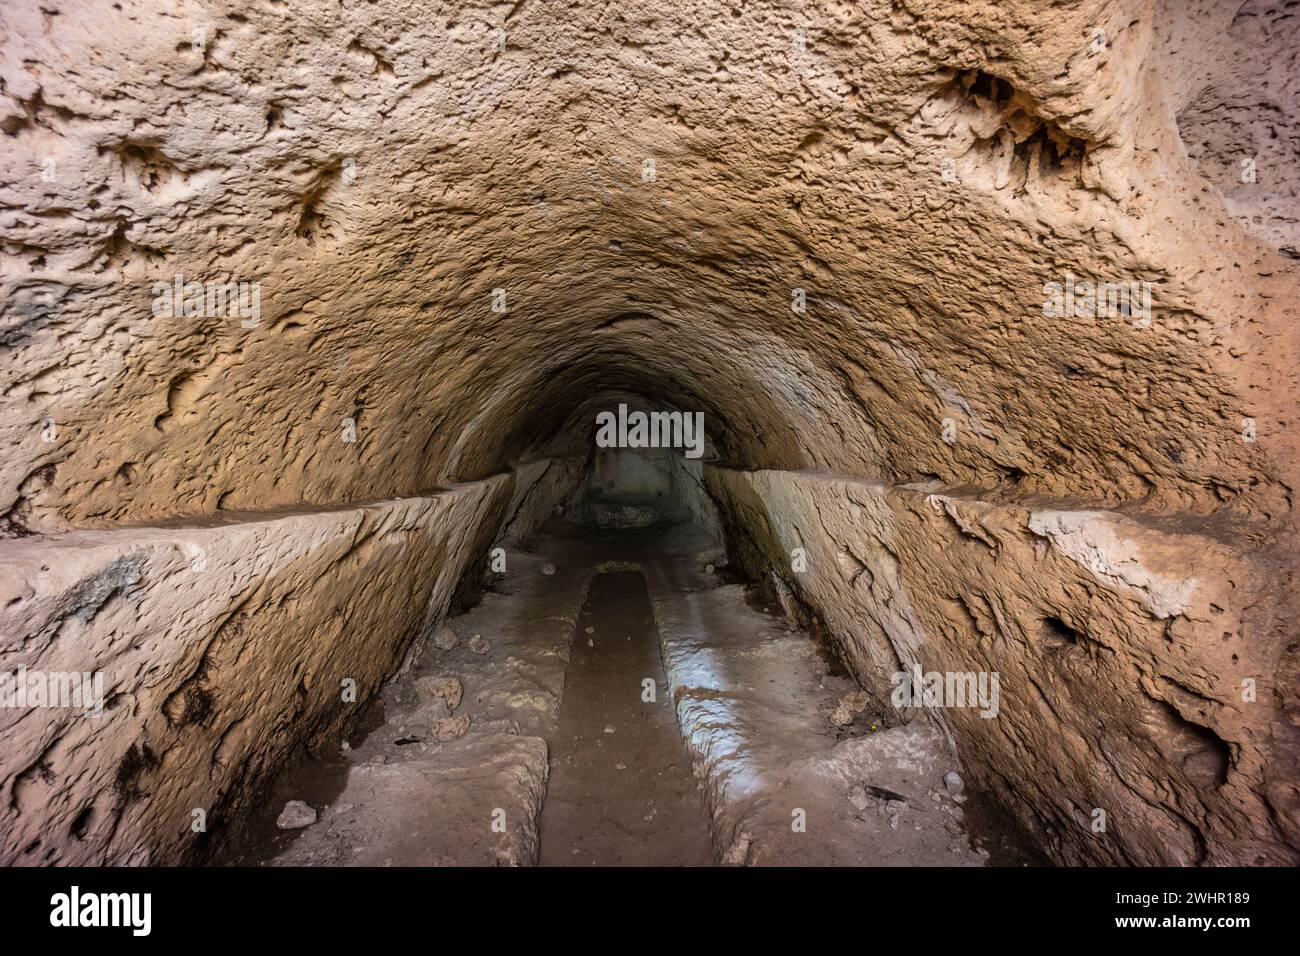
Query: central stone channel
x=621, y=792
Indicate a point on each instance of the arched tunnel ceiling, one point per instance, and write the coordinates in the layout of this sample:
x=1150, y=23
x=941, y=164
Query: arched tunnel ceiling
x=626, y=357
x=380, y=169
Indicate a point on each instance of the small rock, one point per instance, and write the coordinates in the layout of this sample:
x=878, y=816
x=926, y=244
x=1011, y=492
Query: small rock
x=858, y=797
x=850, y=706
x=738, y=853
x=590, y=630
x=590, y=642
x=447, y=689
x=548, y=568
x=952, y=782
x=479, y=644
x=450, y=728
x=708, y=569
x=609, y=728
x=295, y=816
x=446, y=639
x=620, y=766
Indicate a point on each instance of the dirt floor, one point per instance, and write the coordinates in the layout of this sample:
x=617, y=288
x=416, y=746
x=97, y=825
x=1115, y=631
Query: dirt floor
x=553, y=753
x=621, y=792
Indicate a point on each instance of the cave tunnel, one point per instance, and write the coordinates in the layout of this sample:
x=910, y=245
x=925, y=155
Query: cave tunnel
x=599, y=434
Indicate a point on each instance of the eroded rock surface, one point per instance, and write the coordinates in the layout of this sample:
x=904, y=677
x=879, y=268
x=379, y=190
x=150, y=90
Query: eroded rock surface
x=469, y=225
x=1124, y=649
x=224, y=648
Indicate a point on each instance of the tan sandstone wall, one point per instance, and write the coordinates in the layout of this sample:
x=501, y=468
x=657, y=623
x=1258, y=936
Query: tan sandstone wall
x=919, y=170
x=223, y=645
x=1122, y=647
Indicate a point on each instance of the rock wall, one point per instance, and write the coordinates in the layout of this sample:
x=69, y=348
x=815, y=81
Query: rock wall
x=1142, y=668
x=224, y=645
x=469, y=224
x=540, y=489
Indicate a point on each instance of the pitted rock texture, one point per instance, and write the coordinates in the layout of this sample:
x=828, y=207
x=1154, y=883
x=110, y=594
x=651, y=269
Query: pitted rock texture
x=1123, y=651
x=224, y=648
x=642, y=195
